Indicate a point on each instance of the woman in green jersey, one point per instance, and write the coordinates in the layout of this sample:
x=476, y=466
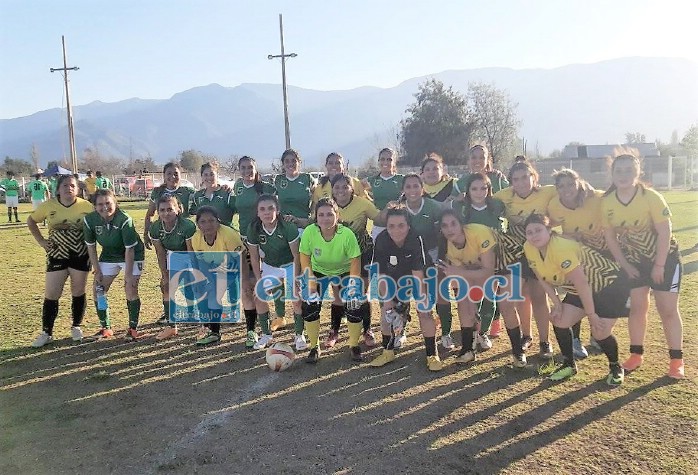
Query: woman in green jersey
x=214, y=194
x=295, y=190
x=387, y=185
x=122, y=248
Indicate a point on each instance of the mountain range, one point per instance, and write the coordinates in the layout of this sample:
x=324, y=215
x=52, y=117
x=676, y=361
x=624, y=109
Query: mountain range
x=589, y=103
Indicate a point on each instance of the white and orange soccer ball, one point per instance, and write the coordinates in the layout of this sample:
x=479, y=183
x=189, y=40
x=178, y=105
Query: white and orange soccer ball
x=280, y=357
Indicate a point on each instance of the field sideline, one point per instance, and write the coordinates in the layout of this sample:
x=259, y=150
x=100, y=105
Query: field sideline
x=168, y=407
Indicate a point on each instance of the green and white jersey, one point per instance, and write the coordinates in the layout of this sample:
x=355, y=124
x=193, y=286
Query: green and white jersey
x=176, y=238
x=274, y=246
x=497, y=178
x=103, y=183
x=385, y=189
x=222, y=201
x=38, y=189
x=492, y=215
x=246, y=201
x=330, y=257
x=114, y=237
x=295, y=194
x=184, y=194
x=424, y=221
x=11, y=186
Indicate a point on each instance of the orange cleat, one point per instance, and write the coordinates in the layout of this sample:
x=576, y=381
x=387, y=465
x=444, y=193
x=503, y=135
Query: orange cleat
x=676, y=369
x=632, y=363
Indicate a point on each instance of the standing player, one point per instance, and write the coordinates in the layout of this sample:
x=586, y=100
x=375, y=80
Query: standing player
x=171, y=232
x=122, y=248
x=437, y=184
x=39, y=191
x=90, y=184
x=399, y=252
x=334, y=165
x=66, y=255
x=329, y=249
x=273, y=246
x=637, y=226
x=387, y=185
x=11, y=188
x=102, y=182
x=594, y=284
x=525, y=197
x=213, y=194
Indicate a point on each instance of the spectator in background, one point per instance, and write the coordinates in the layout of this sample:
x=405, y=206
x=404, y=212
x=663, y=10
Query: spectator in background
x=102, y=182
x=11, y=188
x=82, y=188
x=38, y=190
x=91, y=184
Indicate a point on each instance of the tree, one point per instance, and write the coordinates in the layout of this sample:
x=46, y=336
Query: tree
x=634, y=138
x=19, y=167
x=437, y=122
x=191, y=160
x=35, y=156
x=690, y=141
x=494, y=114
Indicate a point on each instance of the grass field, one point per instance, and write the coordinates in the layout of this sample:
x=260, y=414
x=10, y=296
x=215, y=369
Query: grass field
x=168, y=407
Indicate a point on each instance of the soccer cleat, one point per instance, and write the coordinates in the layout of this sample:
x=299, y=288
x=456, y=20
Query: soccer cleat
x=369, y=338
x=578, y=349
x=104, y=333
x=400, y=341
x=483, y=341
x=615, y=376
x=313, y=355
x=263, y=342
x=331, y=339
x=546, y=349
x=447, y=342
x=526, y=342
x=383, y=359
x=563, y=372
x=76, y=333
x=356, y=353
x=633, y=362
x=434, y=363
x=278, y=323
x=163, y=320
x=209, y=338
x=203, y=331
x=465, y=357
x=251, y=339
x=132, y=335
x=519, y=361
x=496, y=328
x=300, y=343
x=168, y=332
x=676, y=369
x=41, y=340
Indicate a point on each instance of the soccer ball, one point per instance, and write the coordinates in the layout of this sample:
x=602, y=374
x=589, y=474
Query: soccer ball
x=280, y=357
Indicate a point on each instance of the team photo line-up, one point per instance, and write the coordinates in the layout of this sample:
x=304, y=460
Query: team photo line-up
x=485, y=234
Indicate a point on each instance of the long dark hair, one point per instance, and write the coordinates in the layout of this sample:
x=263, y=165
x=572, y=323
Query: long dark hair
x=257, y=222
x=207, y=210
x=415, y=176
x=163, y=187
x=473, y=177
x=325, y=201
x=324, y=179
x=584, y=189
x=522, y=163
x=442, y=242
x=258, y=184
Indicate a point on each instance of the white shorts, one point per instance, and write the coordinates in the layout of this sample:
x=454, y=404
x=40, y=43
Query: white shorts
x=12, y=201
x=376, y=231
x=36, y=203
x=113, y=268
x=271, y=271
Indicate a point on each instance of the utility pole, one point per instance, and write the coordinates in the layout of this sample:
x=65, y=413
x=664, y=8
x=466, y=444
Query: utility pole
x=71, y=131
x=283, y=56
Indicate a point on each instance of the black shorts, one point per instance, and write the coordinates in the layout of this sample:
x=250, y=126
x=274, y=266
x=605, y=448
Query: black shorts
x=673, y=272
x=526, y=271
x=74, y=261
x=611, y=302
x=366, y=258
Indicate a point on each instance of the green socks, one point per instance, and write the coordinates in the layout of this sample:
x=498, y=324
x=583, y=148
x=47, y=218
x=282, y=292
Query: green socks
x=134, y=310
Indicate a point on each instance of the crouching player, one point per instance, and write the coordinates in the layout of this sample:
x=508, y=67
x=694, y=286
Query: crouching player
x=399, y=252
x=595, y=286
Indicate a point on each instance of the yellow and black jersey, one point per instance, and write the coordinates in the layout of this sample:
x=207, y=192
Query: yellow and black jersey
x=518, y=208
x=509, y=249
x=355, y=215
x=563, y=255
x=441, y=190
x=324, y=189
x=65, y=228
x=634, y=222
x=582, y=223
x=478, y=240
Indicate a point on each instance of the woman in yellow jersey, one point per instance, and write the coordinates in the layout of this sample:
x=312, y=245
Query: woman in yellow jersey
x=470, y=255
x=525, y=197
x=335, y=165
x=595, y=286
x=437, y=184
x=210, y=240
x=66, y=254
x=329, y=249
x=577, y=209
x=354, y=212
x=637, y=224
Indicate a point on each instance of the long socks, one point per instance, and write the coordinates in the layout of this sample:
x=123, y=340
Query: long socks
x=48, y=313
x=78, y=309
x=564, y=339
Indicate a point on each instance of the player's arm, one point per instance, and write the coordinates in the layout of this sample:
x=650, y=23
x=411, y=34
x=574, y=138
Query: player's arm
x=556, y=309
x=663, y=229
x=36, y=232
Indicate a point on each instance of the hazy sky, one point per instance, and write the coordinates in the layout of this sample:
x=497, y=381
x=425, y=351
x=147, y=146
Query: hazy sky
x=153, y=49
